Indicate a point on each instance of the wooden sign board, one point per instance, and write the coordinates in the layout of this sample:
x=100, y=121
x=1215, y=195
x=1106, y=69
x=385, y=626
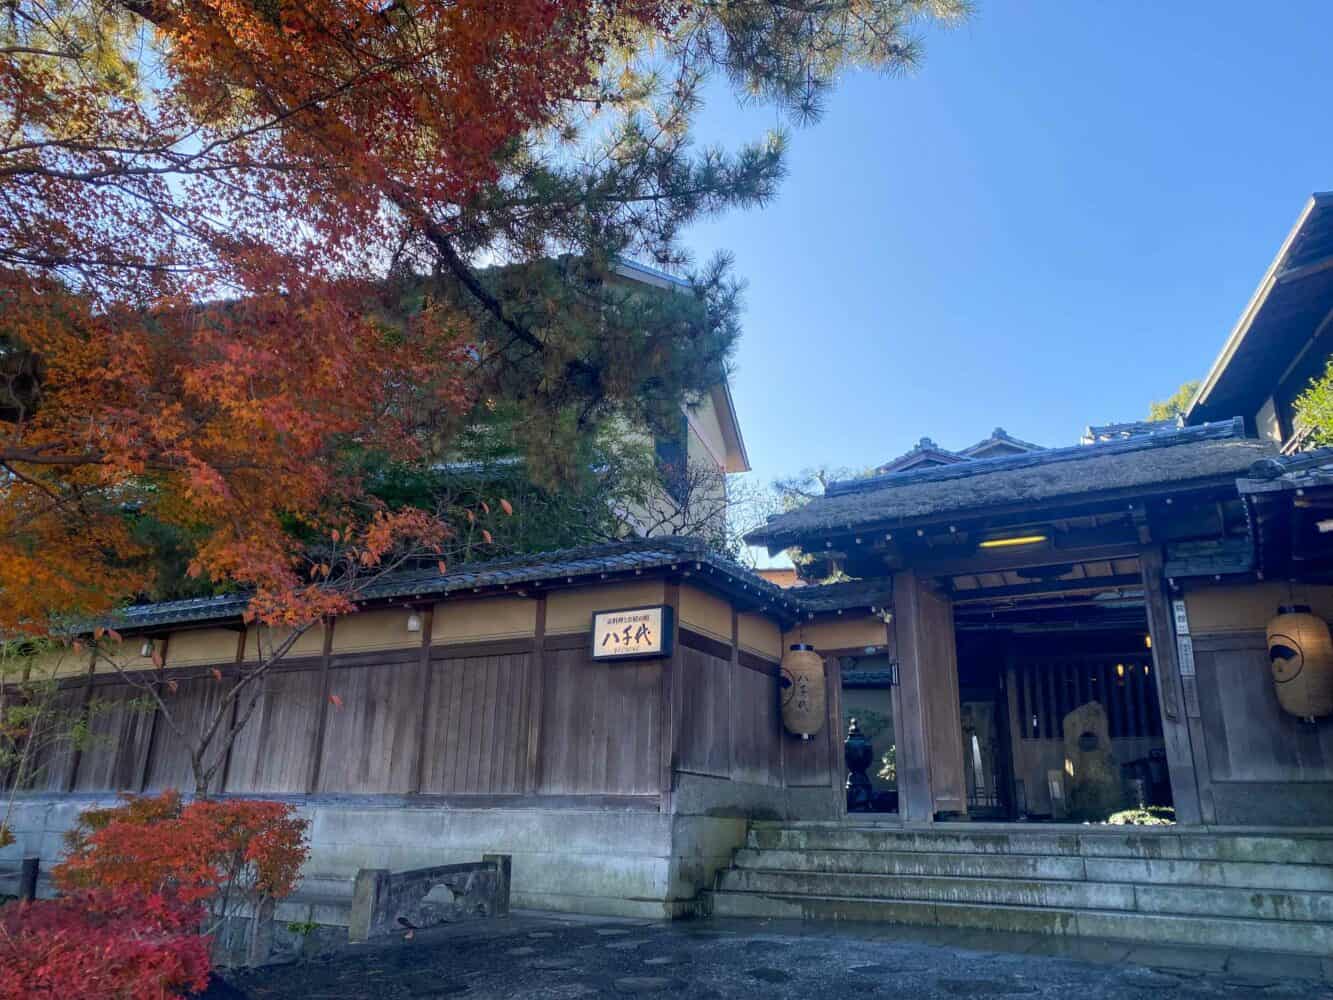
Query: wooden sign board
x=632, y=633
x=1182, y=617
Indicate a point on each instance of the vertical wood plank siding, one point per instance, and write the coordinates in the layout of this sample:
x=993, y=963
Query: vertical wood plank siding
x=477, y=726
x=371, y=739
x=705, y=714
x=274, y=752
x=118, y=731
x=50, y=771
x=1250, y=738
x=510, y=718
x=757, y=738
x=192, y=705
x=596, y=711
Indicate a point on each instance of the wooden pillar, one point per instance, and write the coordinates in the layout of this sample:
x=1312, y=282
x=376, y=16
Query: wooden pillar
x=235, y=705
x=734, y=664
x=312, y=785
x=424, y=686
x=833, y=701
x=536, y=699
x=1180, y=755
x=670, y=697
x=76, y=755
x=153, y=722
x=930, y=739
x=1011, y=744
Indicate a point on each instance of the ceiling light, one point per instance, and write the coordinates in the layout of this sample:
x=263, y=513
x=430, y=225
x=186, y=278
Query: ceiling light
x=1005, y=543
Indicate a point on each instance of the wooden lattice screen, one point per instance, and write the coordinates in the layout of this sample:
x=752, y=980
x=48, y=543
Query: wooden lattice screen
x=1050, y=688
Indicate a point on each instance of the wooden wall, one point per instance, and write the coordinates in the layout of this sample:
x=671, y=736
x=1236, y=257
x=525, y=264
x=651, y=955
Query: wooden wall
x=1255, y=763
x=517, y=717
x=601, y=725
x=477, y=720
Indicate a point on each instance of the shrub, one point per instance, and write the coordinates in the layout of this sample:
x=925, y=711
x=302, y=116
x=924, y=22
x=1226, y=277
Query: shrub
x=1144, y=816
x=228, y=855
x=104, y=943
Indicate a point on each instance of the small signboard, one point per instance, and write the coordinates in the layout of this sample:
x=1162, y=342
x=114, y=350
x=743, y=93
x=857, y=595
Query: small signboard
x=631, y=633
x=1182, y=618
x=1185, y=646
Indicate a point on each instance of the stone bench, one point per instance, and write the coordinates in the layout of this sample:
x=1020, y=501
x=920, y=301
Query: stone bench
x=385, y=902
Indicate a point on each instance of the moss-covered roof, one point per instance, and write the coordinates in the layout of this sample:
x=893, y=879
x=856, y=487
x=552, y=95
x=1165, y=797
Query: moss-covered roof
x=1209, y=453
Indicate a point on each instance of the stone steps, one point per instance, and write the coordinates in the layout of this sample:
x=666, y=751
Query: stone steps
x=1231, y=889
x=1298, y=906
x=1145, y=843
x=1213, y=874
x=1214, y=932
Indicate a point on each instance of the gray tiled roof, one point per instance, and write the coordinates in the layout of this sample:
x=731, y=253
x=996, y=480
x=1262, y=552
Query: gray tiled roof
x=564, y=565
x=849, y=594
x=1209, y=452
x=1283, y=473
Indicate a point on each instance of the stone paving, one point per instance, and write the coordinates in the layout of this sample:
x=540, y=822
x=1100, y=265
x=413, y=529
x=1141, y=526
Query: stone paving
x=562, y=957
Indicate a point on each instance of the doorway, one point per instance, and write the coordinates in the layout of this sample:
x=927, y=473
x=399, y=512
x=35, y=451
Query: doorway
x=869, y=697
x=1055, y=670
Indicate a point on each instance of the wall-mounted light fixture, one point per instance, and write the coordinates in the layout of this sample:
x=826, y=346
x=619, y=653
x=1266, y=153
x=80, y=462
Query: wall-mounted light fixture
x=414, y=622
x=1013, y=541
x=1147, y=641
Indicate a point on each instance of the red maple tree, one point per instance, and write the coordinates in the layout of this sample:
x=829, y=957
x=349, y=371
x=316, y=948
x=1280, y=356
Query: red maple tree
x=194, y=325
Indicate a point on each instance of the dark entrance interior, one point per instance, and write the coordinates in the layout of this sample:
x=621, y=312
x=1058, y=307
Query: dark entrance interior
x=1026, y=661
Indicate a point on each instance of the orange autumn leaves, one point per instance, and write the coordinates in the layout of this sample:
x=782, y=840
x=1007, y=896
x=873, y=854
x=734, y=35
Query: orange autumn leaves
x=195, y=239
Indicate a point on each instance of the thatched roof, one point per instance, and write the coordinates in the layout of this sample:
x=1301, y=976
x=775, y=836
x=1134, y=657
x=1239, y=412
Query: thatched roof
x=1207, y=454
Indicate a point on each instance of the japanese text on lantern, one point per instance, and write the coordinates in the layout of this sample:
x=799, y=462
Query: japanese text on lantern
x=631, y=632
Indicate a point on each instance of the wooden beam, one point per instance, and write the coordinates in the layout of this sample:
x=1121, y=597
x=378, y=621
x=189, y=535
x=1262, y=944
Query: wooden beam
x=1209, y=558
x=1305, y=270
x=1083, y=585
x=999, y=561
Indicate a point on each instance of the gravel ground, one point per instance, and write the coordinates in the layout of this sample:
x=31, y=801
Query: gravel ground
x=549, y=957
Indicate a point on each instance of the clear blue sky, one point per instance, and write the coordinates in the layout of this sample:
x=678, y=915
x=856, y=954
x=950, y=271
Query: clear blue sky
x=1058, y=218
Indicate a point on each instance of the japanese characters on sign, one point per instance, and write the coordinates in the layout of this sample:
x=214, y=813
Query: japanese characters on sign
x=631, y=632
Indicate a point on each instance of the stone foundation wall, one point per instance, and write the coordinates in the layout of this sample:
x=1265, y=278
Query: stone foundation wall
x=606, y=861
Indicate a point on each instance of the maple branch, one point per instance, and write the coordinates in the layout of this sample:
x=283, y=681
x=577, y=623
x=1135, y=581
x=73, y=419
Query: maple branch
x=29, y=457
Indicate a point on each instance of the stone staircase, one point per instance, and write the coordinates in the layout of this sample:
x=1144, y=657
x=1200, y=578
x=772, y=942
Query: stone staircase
x=1254, y=890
